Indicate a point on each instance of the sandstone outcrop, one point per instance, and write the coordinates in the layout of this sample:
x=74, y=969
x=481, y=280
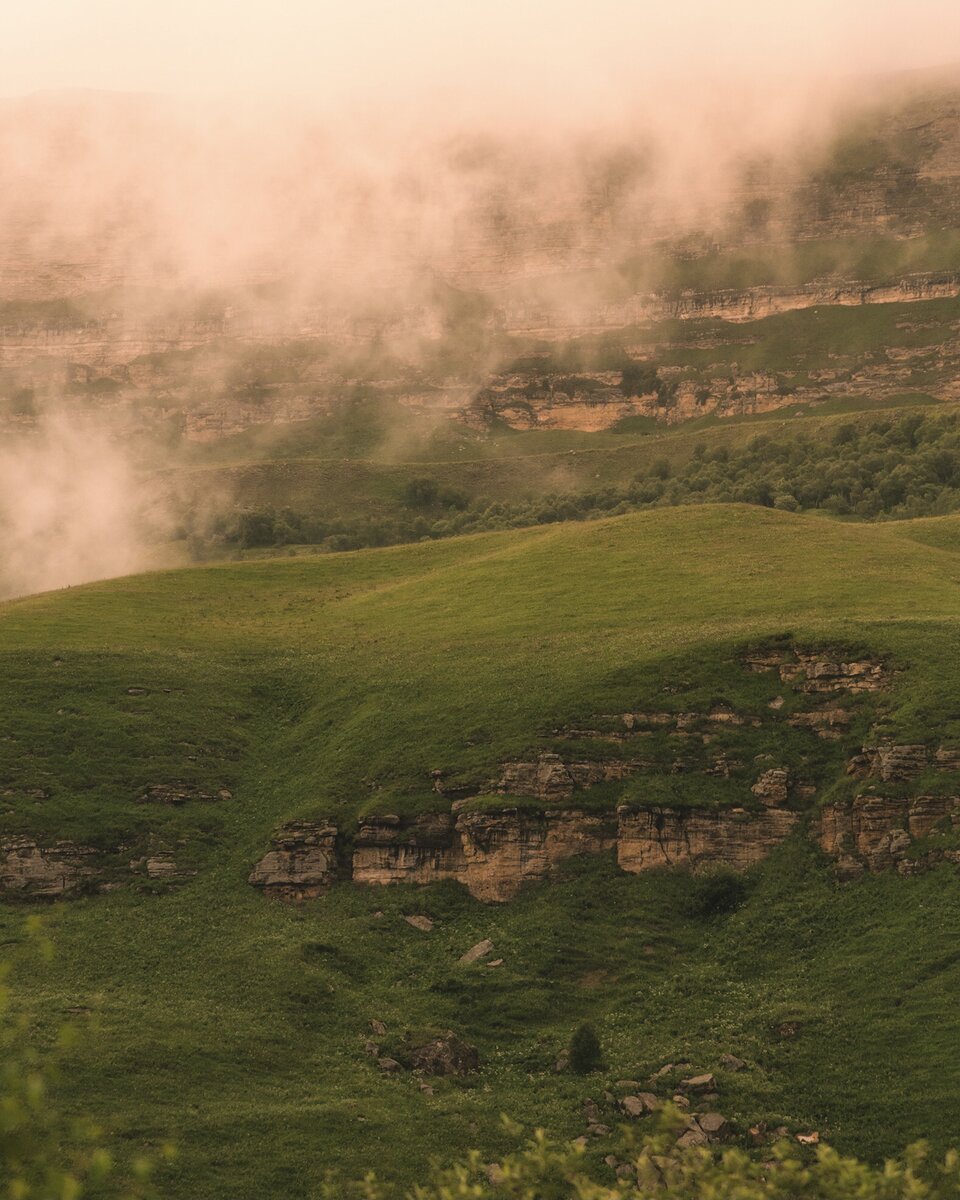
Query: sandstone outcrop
x=492, y=854
x=813, y=673
x=696, y=838
x=895, y=763
x=31, y=871
x=302, y=863
x=877, y=833
x=550, y=779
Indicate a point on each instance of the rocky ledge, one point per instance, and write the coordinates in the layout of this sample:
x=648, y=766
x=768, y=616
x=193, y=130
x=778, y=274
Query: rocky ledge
x=494, y=854
x=880, y=833
x=31, y=871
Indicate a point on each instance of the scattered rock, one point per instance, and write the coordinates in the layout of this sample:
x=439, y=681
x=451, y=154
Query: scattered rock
x=598, y=1130
x=390, y=1065
x=372, y=1049
x=581, y=1142
x=495, y=962
x=680, y=1101
x=730, y=1062
x=809, y=1139
x=639, y=1105
x=426, y=1089
x=590, y=1110
x=715, y=1126
x=698, y=1083
x=788, y=1029
x=475, y=953
x=378, y=1027
x=561, y=1064
x=445, y=1055
x=626, y=1171
x=419, y=922
x=628, y=1085
x=693, y=1136
x=612, y=1161
x=494, y=1174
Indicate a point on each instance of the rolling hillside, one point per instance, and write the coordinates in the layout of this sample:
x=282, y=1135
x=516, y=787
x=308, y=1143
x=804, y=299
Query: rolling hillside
x=168, y=726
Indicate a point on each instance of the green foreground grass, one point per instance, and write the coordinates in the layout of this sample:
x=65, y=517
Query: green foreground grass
x=236, y=1026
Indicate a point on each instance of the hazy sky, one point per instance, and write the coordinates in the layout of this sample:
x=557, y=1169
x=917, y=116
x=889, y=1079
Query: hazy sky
x=488, y=49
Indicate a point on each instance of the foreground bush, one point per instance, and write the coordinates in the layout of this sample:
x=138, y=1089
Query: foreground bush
x=656, y=1167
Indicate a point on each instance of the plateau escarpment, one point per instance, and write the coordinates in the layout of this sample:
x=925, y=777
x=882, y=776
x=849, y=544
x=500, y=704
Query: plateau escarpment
x=544, y=811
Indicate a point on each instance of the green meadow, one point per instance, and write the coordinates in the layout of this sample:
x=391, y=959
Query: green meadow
x=334, y=685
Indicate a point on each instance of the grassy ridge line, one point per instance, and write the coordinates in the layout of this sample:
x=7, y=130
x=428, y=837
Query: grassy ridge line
x=379, y=667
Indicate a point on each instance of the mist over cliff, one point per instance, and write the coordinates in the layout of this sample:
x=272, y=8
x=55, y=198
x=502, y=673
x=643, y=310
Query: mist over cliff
x=144, y=235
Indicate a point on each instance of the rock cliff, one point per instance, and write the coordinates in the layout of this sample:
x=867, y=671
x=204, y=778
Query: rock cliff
x=493, y=854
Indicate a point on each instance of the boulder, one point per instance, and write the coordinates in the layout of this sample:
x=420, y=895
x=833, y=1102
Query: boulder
x=475, y=953
x=390, y=1065
x=773, y=787
x=715, y=1126
x=445, y=1055
x=730, y=1062
x=639, y=1105
x=424, y=924
x=698, y=1084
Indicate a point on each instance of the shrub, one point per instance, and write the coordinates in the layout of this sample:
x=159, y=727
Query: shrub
x=421, y=493
x=548, y=1170
x=585, y=1053
x=715, y=894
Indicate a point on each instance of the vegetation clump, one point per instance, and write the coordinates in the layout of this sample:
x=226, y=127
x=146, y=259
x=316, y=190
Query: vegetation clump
x=585, y=1053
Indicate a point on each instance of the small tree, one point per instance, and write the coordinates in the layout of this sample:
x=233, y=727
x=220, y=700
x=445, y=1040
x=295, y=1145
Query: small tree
x=585, y=1053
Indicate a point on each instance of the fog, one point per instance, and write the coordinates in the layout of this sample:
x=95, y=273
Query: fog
x=71, y=509
x=160, y=161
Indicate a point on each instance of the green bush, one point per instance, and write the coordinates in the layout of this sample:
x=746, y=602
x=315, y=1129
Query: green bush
x=585, y=1053
x=655, y=1166
x=715, y=895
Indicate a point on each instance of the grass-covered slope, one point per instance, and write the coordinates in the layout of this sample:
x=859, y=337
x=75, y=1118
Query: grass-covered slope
x=335, y=686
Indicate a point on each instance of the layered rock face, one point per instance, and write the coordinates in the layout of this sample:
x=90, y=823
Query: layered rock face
x=302, y=863
x=650, y=838
x=30, y=871
x=494, y=854
x=877, y=833
x=495, y=848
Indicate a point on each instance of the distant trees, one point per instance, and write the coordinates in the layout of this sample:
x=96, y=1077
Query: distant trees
x=909, y=467
x=643, y=379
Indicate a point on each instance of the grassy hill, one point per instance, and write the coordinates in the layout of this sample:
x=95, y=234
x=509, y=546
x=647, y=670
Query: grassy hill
x=334, y=686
